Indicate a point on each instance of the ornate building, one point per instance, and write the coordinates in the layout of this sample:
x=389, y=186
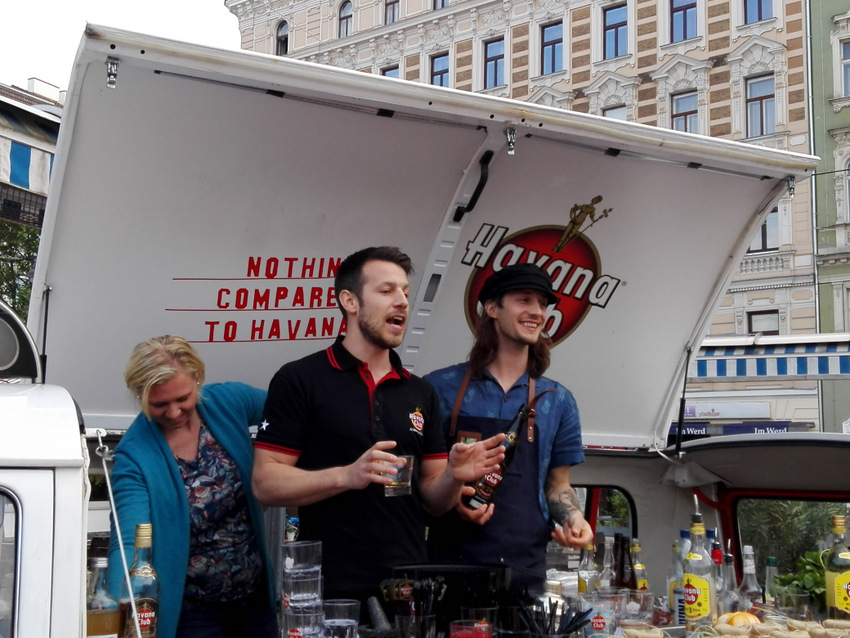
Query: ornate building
x=726, y=68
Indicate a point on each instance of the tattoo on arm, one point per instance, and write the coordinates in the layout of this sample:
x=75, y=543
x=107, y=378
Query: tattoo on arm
x=562, y=504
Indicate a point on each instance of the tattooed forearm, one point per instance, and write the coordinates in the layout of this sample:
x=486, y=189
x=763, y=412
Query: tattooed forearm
x=562, y=505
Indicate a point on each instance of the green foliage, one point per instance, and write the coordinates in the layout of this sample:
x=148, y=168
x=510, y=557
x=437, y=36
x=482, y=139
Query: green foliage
x=18, y=250
x=795, y=532
x=614, y=506
x=808, y=576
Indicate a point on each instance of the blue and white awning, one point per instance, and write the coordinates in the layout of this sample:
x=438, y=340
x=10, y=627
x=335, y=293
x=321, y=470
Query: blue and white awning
x=760, y=358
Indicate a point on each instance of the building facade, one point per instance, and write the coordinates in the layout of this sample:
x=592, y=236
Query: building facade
x=831, y=135
x=727, y=68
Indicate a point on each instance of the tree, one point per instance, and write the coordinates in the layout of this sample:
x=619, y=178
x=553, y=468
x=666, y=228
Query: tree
x=18, y=250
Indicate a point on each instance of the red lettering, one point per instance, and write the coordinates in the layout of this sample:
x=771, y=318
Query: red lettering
x=298, y=300
x=242, y=298
x=230, y=331
x=212, y=325
x=327, y=326
x=311, y=327
x=274, y=331
x=221, y=294
x=280, y=294
x=291, y=261
x=315, y=297
x=254, y=266
x=257, y=329
x=261, y=299
x=333, y=266
x=293, y=332
x=331, y=297
x=308, y=268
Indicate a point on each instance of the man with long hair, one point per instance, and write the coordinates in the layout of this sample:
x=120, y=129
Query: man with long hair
x=534, y=501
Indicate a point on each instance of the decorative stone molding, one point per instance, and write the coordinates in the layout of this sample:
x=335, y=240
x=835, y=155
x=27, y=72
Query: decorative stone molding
x=841, y=158
x=613, y=89
x=754, y=57
x=759, y=263
x=681, y=74
x=550, y=97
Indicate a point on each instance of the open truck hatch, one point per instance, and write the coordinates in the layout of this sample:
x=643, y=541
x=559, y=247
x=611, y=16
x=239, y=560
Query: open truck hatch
x=211, y=194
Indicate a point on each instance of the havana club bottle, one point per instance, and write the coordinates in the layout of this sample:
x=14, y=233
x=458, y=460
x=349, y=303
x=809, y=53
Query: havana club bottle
x=837, y=567
x=486, y=486
x=698, y=584
x=144, y=588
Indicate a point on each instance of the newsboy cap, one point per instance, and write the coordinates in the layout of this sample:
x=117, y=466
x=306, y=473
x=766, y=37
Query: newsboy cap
x=517, y=277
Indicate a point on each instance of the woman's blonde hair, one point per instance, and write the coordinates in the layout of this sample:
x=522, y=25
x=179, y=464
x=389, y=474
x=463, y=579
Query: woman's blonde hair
x=156, y=361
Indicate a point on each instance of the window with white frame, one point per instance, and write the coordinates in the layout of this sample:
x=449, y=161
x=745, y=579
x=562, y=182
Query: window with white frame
x=845, y=68
x=494, y=63
x=761, y=106
x=551, y=48
x=391, y=9
x=346, y=17
x=615, y=34
x=616, y=112
x=390, y=71
x=685, y=112
x=763, y=321
x=683, y=20
x=767, y=237
x=440, y=69
x=441, y=4
x=757, y=10
x=282, y=41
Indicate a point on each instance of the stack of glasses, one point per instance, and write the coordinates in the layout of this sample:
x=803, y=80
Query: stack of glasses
x=302, y=589
x=305, y=613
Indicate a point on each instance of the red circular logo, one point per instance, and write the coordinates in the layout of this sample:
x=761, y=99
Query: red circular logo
x=575, y=270
x=598, y=623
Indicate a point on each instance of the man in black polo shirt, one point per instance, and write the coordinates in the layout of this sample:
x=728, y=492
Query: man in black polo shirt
x=335, y=420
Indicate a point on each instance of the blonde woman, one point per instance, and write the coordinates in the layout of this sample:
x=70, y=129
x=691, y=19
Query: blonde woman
x=184, y=465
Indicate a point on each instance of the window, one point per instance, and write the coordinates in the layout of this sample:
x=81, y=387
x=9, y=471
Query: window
x=845, y=67
x=494, y=63
x=761, y=109
x=441, y=4
x=390, y=71
x=552, y=48
x=685, y=114
x=764, y=321
x=616, y=112
x=282, y=45
x=440, y=69
x=683, y=20
x=391, y=8
x=767, y=237
x=757, y=10
x=615, y=31
x=8, y=563
x=345, y=19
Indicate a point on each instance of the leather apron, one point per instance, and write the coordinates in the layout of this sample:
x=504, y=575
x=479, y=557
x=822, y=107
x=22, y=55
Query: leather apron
x=517, y=534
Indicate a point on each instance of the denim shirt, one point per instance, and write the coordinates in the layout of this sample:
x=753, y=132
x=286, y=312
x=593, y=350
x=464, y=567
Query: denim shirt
x=557, y=420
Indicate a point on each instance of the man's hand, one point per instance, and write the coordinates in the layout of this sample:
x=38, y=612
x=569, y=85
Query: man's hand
x=470, y=461
x=575, y=533
x=478, y=516
x=370, y=466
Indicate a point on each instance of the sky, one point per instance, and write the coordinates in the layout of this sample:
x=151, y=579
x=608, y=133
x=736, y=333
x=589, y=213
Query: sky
x=39, y=38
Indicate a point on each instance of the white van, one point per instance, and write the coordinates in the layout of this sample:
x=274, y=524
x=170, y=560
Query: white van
x=212, y=194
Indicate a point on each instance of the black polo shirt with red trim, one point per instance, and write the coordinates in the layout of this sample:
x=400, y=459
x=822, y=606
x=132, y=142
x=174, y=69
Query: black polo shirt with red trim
x=327, y=410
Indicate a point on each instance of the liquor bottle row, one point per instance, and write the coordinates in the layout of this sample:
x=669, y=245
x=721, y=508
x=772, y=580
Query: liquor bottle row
x=106, y=617
x=621, y=566
x=702, y=582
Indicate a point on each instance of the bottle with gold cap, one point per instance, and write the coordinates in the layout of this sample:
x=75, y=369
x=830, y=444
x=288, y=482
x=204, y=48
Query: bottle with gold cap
x=837, y=567
x=144, y=588
x=698, y=584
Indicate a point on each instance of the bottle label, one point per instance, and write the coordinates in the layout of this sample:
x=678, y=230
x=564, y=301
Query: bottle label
x=697, y=598
x=749, y=565
x=642, y=583
x=838, y=591
x=146, y=612
x=692, y=556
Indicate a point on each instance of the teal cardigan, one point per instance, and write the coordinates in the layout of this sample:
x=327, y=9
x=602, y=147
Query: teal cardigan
x=149, y=488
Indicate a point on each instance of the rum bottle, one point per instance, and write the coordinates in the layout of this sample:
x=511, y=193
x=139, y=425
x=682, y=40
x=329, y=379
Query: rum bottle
x=837, y=567
x=639, y=569
x=700, y=600
x=607, y=576
x=103, y=618
x=750, y=590
x=588, y=574
x=728, y=599
x=144, y=588
x=486, y=486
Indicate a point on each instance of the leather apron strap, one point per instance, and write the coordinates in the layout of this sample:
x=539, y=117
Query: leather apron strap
x=532, y=401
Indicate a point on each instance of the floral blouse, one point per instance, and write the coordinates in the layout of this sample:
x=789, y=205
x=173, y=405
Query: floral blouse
x=224, y=559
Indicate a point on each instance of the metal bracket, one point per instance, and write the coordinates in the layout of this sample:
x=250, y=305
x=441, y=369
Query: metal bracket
x=510, y=134
x=111, y=72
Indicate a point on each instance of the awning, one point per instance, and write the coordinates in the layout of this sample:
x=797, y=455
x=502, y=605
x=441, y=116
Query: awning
x=24, y=166
x=771, y=358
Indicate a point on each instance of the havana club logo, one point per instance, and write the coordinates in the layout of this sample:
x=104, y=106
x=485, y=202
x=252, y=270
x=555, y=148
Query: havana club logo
x=565, y=252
